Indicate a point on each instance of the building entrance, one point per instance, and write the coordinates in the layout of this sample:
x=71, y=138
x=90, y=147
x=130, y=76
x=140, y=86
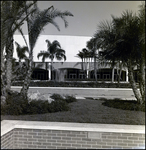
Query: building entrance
x=39, y=74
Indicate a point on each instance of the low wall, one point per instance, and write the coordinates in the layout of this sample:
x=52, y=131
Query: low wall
x=63, y=135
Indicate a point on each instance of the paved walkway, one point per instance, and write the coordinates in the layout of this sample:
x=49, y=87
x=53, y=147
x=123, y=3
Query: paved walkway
x=82, y=93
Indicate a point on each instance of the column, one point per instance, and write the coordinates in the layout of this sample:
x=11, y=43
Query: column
x=113, y=70
x=127, y=79
x=49, y=71
x=87, y=70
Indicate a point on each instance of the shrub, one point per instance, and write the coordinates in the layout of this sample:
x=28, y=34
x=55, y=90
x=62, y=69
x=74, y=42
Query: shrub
x=38, y=107
x=66, y=98
x=60, y=102
x=125, y=105
x=15, y=104
x=56, y=97
x=58, y=105
x=101, y=84
x=70, y=99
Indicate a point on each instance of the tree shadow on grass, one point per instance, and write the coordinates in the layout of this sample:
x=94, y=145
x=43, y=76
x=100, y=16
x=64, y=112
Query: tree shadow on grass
x=124, y=104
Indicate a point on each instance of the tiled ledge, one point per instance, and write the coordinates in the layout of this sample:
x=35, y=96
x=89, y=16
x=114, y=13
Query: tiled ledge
x=8, y=125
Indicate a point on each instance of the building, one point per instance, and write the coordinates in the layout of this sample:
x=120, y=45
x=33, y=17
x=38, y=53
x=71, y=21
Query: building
x=69, y=71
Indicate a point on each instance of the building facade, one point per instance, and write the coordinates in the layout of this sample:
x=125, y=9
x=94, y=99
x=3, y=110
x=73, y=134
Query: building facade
x=69, y=71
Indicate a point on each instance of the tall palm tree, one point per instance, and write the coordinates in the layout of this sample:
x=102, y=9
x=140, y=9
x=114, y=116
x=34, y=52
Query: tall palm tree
x=81, y=56
x=123, y=41
x=12, y=18
x=92, y=46
x=36, y=23
x=141, y=18
x=53, y=51
x=132, y=49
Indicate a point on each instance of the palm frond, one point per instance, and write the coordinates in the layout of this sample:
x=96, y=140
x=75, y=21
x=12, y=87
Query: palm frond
x=20, y=30
x=65, y=21
x=105, y=25
x=12, y=18
x=48, y=44
x=55, y=24
x=56, y=44
x=44, y=55
x=38, y=21
x=60, y=51
x=21, y=51
x=80, y=55
x=60, y=56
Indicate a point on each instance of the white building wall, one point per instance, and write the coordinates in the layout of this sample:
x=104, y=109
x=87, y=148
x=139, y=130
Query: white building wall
x=71, y=44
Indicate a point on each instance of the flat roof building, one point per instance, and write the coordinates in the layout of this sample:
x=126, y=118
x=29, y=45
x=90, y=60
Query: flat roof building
x=71, y=69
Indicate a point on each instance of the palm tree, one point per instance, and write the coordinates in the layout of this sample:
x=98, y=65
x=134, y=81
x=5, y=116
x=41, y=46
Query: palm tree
x=130, y=35
x=19, y=71
x=81, y=56
x=12, y=18
x=21, y=51
x=53, y=51
x=85, y=58
x=35, y=23
x=122, y=41
x=92, y=46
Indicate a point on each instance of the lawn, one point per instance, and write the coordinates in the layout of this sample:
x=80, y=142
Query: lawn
x=87, y=111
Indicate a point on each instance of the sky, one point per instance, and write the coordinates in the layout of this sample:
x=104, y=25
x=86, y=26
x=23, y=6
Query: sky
x=82, y=26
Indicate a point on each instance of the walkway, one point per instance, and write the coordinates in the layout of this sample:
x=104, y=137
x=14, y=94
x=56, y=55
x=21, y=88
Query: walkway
x=81, y=93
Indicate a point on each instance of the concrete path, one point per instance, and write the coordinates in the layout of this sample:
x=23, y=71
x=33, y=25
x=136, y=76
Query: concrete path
x=81, y=93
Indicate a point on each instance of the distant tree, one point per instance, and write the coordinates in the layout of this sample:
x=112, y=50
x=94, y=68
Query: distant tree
x=19, y=71
x=53, y=51
x=85, y=57
x=81, y=56
x=21, y=51
x=92, y=45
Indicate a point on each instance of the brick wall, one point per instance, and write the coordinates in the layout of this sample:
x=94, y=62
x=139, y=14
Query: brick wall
x=7, y=140
x=57, y=139
x=58, y=135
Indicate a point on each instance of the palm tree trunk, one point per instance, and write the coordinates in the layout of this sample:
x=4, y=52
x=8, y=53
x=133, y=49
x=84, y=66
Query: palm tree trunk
x=3, y=80
x=120, y=71
x=27, y=79
x=82, y=64
x=89, y=68
x=9, y=56
x=95, y=70
x=85, y=68
x=2, y=72
x=52, y=69
x=142, y=79
x=133, y=84
x=113, y=70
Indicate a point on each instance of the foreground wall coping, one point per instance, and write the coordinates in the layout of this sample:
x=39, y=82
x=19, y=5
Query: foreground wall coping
x=8, y=125
x=81, y=88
